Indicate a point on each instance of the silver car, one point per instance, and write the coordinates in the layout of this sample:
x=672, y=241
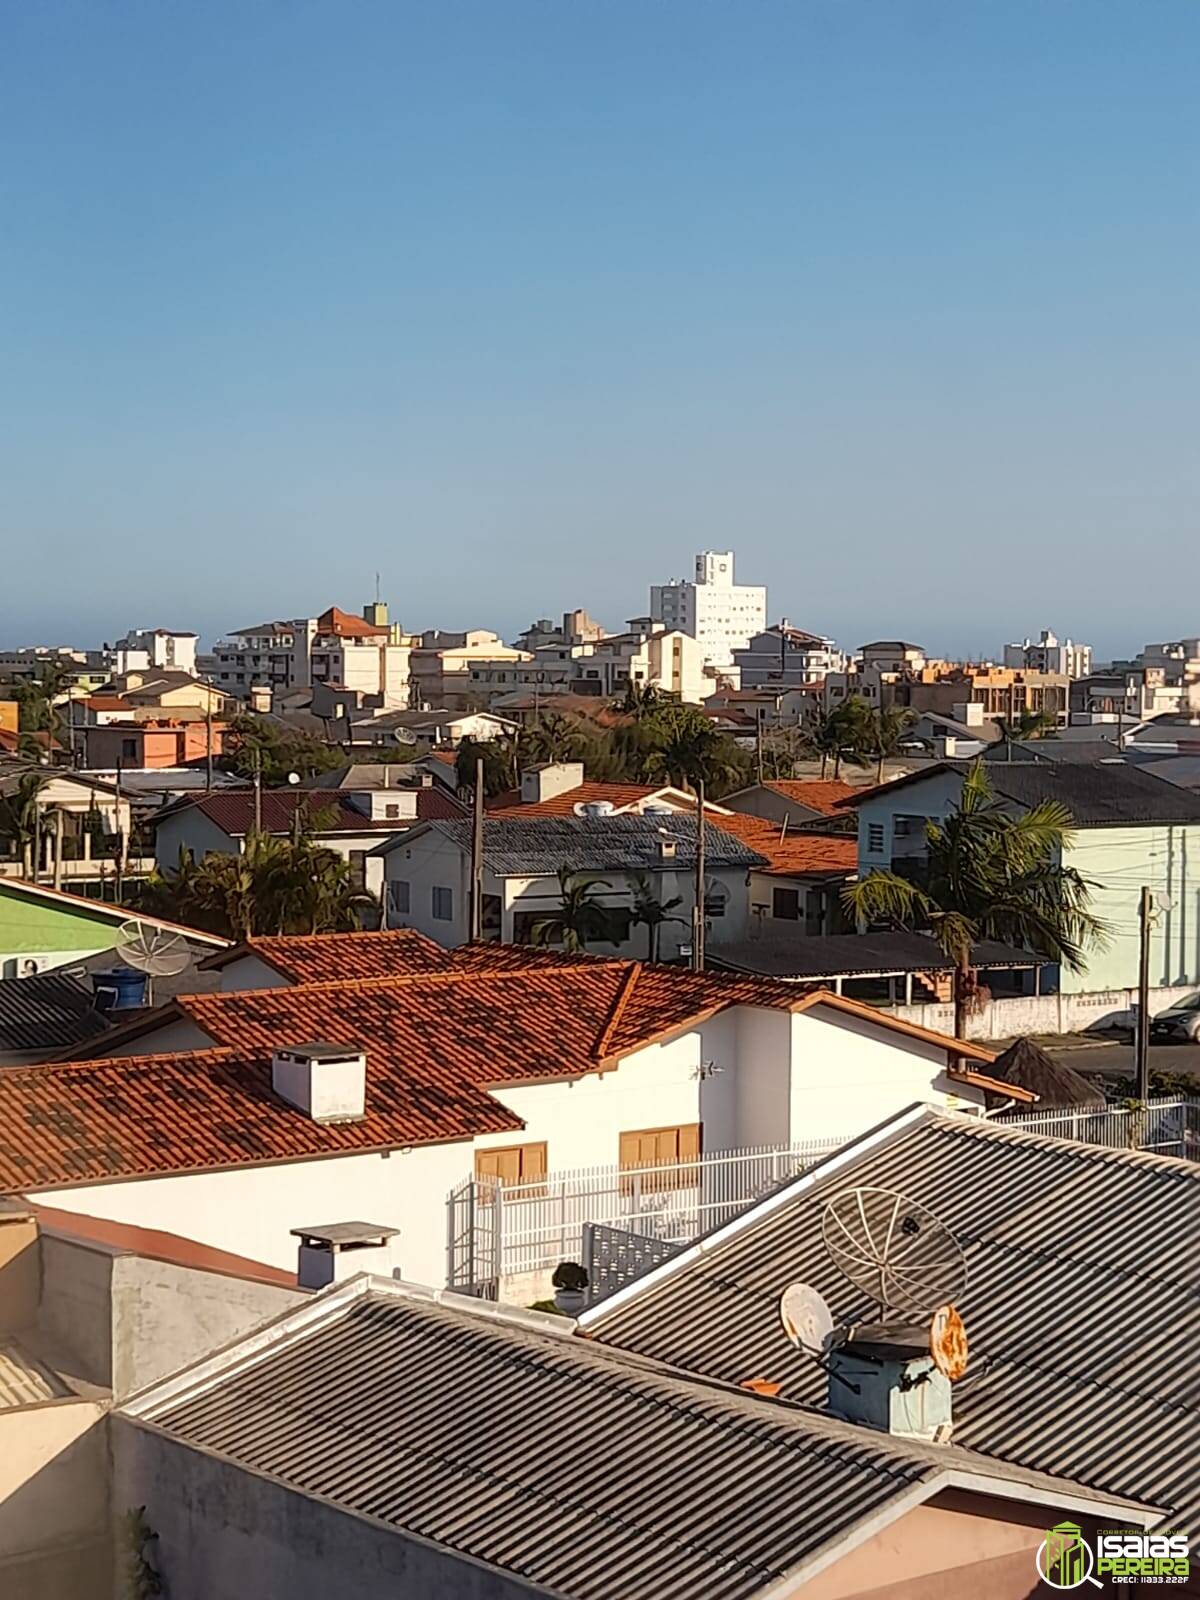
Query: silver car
x=1179, y=1023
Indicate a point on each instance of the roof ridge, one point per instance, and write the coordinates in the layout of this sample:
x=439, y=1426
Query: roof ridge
x=383, y=980
x=220, y=1052
x=624, y=991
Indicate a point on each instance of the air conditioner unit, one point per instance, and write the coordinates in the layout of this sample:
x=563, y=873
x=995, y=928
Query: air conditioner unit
x=30, y=966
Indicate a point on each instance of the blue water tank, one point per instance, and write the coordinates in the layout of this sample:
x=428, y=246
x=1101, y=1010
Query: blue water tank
x=120, y=989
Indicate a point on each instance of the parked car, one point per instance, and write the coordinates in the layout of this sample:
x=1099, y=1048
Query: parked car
x=1179, y=1023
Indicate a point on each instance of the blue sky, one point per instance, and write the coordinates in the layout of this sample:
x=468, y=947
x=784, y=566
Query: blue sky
x=520, y=302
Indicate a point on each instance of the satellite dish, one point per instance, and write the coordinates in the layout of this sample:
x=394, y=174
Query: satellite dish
x=152, y=950
x=948, y=1343
x=807, y=1320
x=894, y=1250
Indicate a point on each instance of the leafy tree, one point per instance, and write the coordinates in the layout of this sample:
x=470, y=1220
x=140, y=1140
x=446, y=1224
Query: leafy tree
x=19, y=813
x=845, y=734
x=642, y=700
x=499, y=758
x=278, y=749
x=890, y=725
x=652, y=913
x=990, y=874
x=680, y=746
x=274, y=886
x=552, y=737
x=580, y=918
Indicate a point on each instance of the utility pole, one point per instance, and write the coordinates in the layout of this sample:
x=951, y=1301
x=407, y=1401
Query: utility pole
x=208, y=764
x=758, y=742
x=120, y=883
x=477, y=856
x=57, y=880
x=698, y=914
x=1145, y=912
x=257, y=790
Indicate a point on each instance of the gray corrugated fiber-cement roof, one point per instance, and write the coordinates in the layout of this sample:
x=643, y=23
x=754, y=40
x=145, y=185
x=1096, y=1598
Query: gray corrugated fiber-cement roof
x=516, y=847
x=1082, y=1301
x=51, y=1011
x=779, y=954
x=1098, y=794
x=591, y=1474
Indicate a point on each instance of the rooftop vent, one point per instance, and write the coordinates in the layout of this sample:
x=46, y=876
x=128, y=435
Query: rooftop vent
x=668, y=849
x=328, y=1082
x=334, y=1251
x=595, y=808
x=657, y=808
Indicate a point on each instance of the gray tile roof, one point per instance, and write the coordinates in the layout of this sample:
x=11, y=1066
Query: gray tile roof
x=1098, y=794
x=1082, y=1302
x=587, y=1473
x=519, y=847
x=832, y=955
x=52, y=1011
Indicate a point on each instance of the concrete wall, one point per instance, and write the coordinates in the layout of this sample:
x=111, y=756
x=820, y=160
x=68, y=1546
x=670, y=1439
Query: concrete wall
x=763, y=1078
x=226, y=1534
x=53, y=1479
x=1046, y=1013
x=1118, y=861
x=19, y=1273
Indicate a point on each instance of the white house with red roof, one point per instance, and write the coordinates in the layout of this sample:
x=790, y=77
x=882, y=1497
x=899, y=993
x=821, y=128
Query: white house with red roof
x=312, y=1096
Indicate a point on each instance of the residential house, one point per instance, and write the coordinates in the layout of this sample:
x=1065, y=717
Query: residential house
x=308, y=1461
x=349, y=822
x=77, y=829
x=42, y=929
x=804, y=873
x=442, y=664
x=165, y=693
x=559, y=789
x=577, y=627
x=427, y=876
x=1129, y=830
x=796, y=801
x=316, y=1095
x=787, y=656
x=1063, y=1255
x=150, y=743
x=430, y=730
x=722, y=614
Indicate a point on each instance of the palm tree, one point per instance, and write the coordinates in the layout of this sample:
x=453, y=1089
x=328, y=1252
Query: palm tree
x=641, y=700
x=1026, y=725
x=693, y=752
x=652, y=913
x=19, y=815
x=989, y=875
x=845, y=734
x=499, y=757
x=552, y=737
x=890, y=725
x=580, y=916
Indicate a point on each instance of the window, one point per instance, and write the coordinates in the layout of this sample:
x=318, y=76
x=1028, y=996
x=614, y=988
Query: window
x=443, y=904
x=514, y=1165
x=785, y=904
x=129, y=750
x=399, y=893
x=392, y=809
x=874, y=838
x=662, y=1147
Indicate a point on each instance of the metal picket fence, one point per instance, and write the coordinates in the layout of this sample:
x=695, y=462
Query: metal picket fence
x=494, y=1232
x=1169, y=1126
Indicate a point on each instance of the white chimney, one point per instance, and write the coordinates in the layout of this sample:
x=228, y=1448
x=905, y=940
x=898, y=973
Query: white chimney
x=386, y=805
x=551, y=778
x=336, y=1251
x=969, y=713
x=667, y=849
x=328, y=1082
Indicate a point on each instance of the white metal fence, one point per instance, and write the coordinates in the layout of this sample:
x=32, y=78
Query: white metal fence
x=495, y=1232
x=1168, y=1126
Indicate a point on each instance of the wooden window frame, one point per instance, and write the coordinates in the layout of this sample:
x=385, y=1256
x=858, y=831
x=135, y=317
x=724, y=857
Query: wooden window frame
x=648, y=1178
x=520, y=1189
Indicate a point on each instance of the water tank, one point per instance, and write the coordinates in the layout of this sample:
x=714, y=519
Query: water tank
x=595, y=808
x=120, y=989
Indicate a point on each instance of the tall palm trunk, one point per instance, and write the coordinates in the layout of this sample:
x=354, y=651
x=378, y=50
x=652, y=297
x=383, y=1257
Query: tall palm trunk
x=962, y=998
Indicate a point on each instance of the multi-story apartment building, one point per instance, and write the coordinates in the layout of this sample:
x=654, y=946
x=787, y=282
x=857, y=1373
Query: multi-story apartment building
x=443, y=663
x=577, y=627
x=336, y=649
x=723, y=615
x=645, y=656
x=142, y=648
x=787, y=656
x=1050, y=654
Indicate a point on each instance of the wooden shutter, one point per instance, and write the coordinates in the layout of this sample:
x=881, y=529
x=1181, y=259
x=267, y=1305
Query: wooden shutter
x=514, y=1165
x=662, y=1147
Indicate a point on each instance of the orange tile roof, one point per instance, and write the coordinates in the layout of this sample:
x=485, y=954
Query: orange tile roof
x=435, y=1043
x=794, y=853
x=620, y=795
x=345, y=625
x=328, y=957
x=822, y=794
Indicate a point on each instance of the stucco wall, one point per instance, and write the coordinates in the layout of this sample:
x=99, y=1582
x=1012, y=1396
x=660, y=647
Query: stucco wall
x=53, y=1475
x=1118, y=861
x=250, y=1210
x=226, y=1534
x=763, y=1079
x=432, y=860
x=847, y=1075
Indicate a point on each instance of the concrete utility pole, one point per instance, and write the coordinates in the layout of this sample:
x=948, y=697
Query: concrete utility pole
x=698, y=914
x=477, y=856
x=1145, y=913
x=208, y=763
x=758, y=743
x=257, y=790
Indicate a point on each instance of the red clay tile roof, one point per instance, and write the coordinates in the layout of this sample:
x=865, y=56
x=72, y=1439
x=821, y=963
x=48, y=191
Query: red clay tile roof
x=331, y=957
x=794, y=853
x=190, y=1111
x=620, y=795
x=232, y=810
x=822, y=794
x=345, y=625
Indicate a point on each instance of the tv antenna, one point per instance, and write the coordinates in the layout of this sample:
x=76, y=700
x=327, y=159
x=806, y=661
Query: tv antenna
x=152, y=950
x=894, y=1250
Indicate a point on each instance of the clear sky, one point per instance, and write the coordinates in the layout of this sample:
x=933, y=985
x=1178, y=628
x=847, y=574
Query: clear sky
x=520, y=302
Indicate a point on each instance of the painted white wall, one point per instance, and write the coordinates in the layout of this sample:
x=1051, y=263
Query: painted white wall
x=250, y=972
x=763, y=1078
x=1118, y=861
x=848, y=1073
x=250, y=1210
x=189, y=829
x=432, y=860
x=12, y=962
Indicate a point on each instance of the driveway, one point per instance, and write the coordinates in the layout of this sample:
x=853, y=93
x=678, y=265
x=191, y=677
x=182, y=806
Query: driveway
x=1117, y=1060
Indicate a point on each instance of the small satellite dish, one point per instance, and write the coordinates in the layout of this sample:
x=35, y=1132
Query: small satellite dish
x=894, y=1250
x=948, y=1343
x=151, y=950
x=807, y=1320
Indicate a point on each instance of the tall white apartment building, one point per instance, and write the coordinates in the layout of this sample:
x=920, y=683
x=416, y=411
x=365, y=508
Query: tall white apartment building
x=164, y=648
x=723, y=615
x=1050, y=654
